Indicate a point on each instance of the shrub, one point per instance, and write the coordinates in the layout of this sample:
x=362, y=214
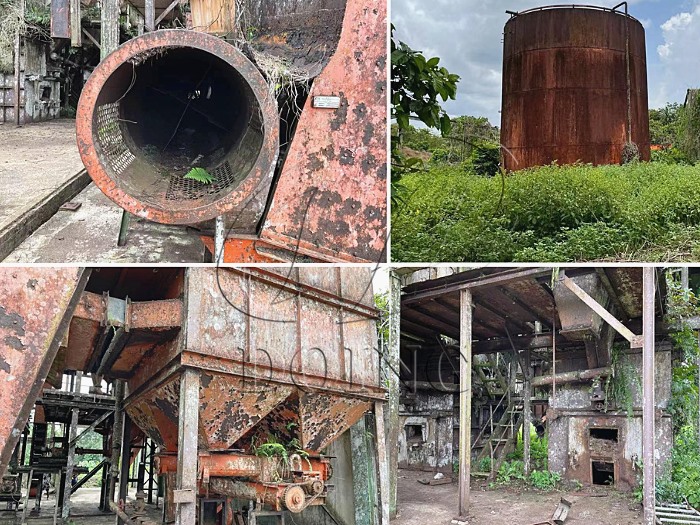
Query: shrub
x=550, y=214
x=544, y=480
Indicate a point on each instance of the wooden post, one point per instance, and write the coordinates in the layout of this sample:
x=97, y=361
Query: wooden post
x=527, y=395
x=18, y=71
x=124, y=465
x=382, y=464
x=649, y=408
x=76, y=33
x=117, y=434
x=109, y=24
x=70, y=463
x=465, y=401
x=392, y=409
x=150, y=15
x=186, y=491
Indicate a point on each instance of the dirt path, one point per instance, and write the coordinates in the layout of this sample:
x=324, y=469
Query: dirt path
x=420, y=504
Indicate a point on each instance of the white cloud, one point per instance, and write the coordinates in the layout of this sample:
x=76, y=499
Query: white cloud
x=678, y=54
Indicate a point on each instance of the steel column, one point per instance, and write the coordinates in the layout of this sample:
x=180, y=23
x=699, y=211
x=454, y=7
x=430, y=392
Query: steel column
x=188, y=421
x=465, y=400
x=649, y=426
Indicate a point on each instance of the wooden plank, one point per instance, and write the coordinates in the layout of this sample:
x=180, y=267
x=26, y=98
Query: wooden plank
x=465, y=408
x=149, y=15
x=166, y=12
x=109, y=24
x=217, y=17
x=76, y=35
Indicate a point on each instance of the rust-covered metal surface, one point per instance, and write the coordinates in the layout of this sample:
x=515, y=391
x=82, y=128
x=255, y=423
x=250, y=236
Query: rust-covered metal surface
x=287, y=354
x=330, y=200
x=265, y=339
x=567, y=75
x=170, y=101
x=36, y=305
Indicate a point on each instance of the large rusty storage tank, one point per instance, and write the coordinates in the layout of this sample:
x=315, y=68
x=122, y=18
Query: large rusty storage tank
x=574, y=87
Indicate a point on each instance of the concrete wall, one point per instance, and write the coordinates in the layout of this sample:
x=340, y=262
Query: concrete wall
x=571, y=418
x=425, y=437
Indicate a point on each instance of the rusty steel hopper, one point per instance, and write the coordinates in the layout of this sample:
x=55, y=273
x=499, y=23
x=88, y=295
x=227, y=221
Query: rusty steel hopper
x=170, y=101
x=276, y=360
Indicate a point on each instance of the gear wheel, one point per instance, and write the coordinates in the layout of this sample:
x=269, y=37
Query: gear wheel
x=317, y=487
x=294, y=498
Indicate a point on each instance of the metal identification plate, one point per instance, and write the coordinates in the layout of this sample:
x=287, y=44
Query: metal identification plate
x=326, y=102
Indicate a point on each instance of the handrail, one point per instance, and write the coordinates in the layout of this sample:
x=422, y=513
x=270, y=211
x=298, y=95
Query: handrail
x=513, y=14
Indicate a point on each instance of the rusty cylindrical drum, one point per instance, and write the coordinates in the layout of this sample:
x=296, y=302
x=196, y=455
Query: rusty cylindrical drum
x=574, y=87
x=170, y=101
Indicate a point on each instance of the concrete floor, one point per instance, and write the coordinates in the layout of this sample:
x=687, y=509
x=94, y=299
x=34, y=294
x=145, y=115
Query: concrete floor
x=89, y=235
x=35, y=160
x=84, y=510
x=437, y=505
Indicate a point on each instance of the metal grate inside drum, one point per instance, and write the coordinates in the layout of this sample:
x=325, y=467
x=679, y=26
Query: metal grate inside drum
x=109, y=136
x=181, y=189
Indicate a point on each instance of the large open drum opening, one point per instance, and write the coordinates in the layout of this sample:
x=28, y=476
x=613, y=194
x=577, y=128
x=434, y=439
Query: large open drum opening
x=184, y=100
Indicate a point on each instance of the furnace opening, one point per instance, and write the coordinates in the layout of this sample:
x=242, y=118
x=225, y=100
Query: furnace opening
x=602, y=473
x=168, y=111
x=607, y=434
x=414, y=433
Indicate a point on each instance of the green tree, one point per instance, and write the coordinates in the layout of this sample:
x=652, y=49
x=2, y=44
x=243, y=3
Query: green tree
x=664, y=124
x=417, y=84
x=469, y=131
x=690, y=128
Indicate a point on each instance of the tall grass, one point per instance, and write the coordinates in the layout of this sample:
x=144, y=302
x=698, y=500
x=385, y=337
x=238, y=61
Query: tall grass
x=640, y=211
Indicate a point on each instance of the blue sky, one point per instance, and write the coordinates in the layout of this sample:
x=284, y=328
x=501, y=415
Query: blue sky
x=467, y=36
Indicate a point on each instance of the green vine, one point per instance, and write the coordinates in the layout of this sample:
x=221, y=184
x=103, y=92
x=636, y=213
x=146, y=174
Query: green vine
x=619, y=386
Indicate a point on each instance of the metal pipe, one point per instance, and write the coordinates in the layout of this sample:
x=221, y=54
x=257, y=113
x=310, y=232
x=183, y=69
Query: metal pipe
x=648, y=414
x=140, y=133
x=571, y=377
x=465, y=404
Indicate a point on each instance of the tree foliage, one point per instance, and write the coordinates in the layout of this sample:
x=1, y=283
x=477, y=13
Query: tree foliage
x=418, y=85
x=690, y=128
x=664, y=124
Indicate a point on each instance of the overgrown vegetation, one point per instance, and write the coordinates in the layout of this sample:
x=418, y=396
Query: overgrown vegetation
x=618, y=387
x=453, y=210
x=682, y=483
x=512, y=469
x=640, y=211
